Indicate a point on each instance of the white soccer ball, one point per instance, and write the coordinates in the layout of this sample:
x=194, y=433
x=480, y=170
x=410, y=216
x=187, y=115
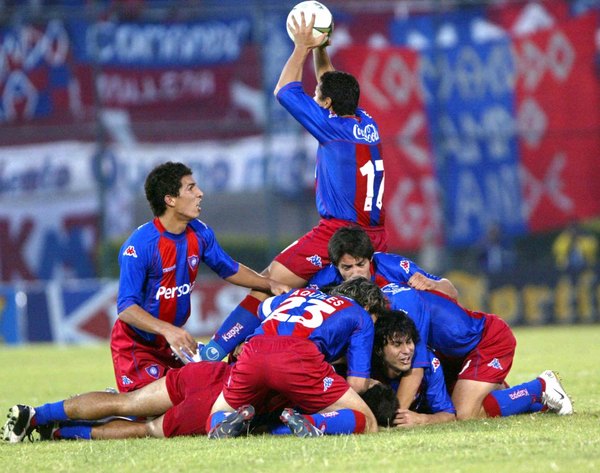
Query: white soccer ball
x=323, y=18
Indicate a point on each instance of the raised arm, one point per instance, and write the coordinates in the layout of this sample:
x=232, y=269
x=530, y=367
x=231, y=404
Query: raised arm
x=423, y=283
x=321, y=61
x=304, y=42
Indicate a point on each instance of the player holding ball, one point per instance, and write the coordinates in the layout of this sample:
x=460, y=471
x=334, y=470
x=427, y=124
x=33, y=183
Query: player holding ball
x=349, y=172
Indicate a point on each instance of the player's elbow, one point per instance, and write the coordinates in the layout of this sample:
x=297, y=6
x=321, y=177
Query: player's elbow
x=360, y=385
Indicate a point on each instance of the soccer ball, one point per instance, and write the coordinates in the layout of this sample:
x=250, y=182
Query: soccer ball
x=323, y=18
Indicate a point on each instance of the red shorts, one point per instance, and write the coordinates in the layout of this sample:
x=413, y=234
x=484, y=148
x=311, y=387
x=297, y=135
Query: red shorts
x=193, y=390
x=308, y=254
x=292, y=367
x=490, y=361
x=137, y=362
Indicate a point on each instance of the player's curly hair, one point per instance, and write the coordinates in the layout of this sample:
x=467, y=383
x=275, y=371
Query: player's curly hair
x=364, y=292
x=390, y=325
x=383, y=402
x=351, y=240
x=343, y=90
x=163, y=180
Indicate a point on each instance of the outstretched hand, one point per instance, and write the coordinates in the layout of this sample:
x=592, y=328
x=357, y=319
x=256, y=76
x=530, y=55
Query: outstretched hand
x=303, y=33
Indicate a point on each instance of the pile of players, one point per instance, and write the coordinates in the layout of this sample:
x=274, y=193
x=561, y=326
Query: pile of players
x=335, y=337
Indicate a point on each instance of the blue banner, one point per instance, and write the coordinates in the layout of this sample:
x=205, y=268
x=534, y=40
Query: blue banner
x=9, y=327
x=156, y=45
x=469, y=92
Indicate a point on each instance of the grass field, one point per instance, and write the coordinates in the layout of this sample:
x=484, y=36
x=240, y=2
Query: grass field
x=529, y=443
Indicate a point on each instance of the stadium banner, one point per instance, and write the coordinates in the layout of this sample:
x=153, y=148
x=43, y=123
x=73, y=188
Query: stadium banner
x=10, y=332
x=50, y=194
x=178, y=71
x=558, y=101
x=471, y=115
x=391, y=93
x=466, y=71
x=57, y=71
x=49, y=212
x=35, y=79
x=83, y=311
x=146, y=44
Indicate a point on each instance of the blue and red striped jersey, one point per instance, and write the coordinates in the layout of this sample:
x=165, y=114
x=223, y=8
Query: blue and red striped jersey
x=388, y=271
x=446, y=327
x=337, y=325
x=349, y=171
x=432, y=395
x=386, y=268
x=159, y=269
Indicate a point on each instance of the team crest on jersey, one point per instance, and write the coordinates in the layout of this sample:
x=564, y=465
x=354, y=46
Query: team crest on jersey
x=315, y=260
x=327, y=382
x=125, y=381
x=435, y=363
x=130, y=251
x=405, y=265
x=193, y=261
x=153, y=371
x=495, y=364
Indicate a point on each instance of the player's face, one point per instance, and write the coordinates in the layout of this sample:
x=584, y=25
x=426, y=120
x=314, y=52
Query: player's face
x=398, y=354
x=187, y=204
x=351, y=267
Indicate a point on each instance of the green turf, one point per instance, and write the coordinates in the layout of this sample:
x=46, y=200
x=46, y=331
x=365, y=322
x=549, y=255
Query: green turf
x=530, y=443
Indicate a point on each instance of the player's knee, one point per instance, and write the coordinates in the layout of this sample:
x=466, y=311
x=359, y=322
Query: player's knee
x=154, y=428
x=466, y=414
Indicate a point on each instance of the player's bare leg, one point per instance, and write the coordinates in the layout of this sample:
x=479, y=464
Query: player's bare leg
x=150, y=400
x=121, y=429
x=468, y=396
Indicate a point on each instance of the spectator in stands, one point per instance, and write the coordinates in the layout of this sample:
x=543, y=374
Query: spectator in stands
x=575, y=249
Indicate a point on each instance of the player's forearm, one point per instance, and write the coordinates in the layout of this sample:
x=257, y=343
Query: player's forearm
x=360, y=385
x=446, y=287
x=322, y=62
x=137, y=317
x=408, y=387
x=292, y=71
x=437, y=418
x=406, y=419
x=249, y=278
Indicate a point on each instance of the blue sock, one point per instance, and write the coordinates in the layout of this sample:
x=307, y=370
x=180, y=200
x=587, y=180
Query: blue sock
x=233, y=331
x=537, y=407
x=344, y=421
x=51, y=412
x=280, y=429
x=74, y=431
x=519, y=399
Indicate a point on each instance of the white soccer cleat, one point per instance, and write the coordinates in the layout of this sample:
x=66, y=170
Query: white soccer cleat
x=18, y=425
x=555, y=396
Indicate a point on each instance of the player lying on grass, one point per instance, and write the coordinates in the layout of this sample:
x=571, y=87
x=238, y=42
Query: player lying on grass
x=183, y=398
x=352, y=254
x=476, y=349
x=302, y=332
x=393, y=351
